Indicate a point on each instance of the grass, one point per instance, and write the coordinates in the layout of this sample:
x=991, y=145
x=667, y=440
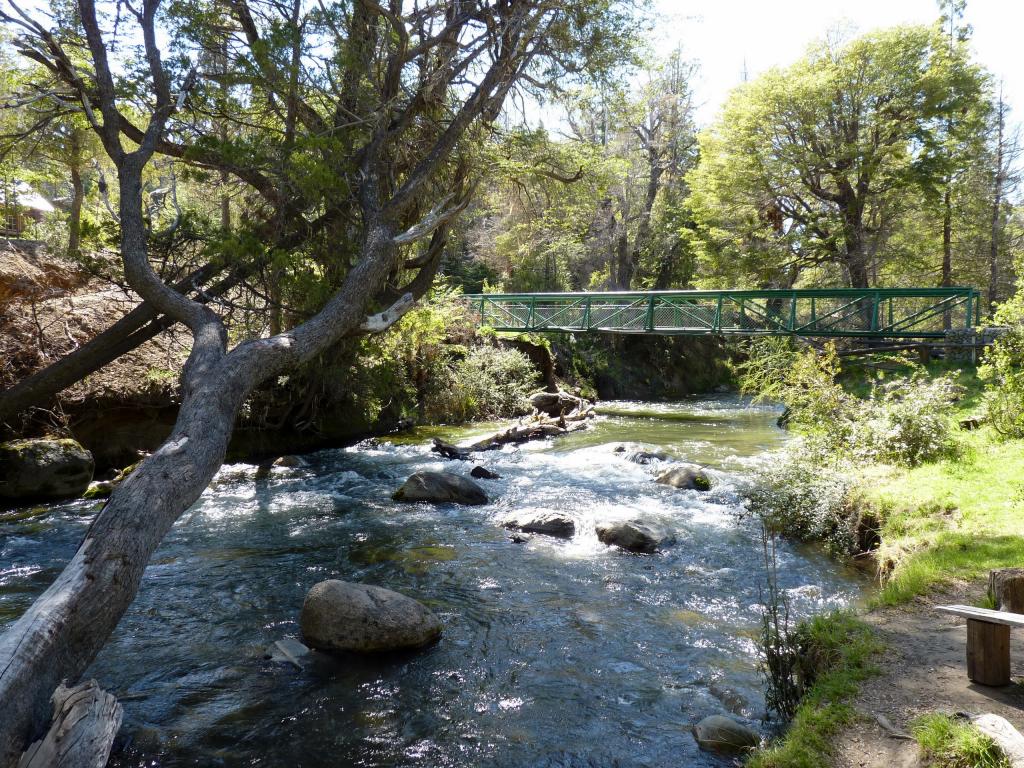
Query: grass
x=954, y=519
x=951, y=743
x=844, y=647
x=949, y=520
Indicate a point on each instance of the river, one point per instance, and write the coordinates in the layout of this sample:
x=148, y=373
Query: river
x=555, y=653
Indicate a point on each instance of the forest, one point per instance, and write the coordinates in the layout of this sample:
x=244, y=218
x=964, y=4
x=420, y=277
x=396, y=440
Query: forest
x=236, y=239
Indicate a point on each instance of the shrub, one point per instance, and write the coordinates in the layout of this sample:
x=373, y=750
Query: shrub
x=798, y=497
x=906, y=420
x=487, y=382
x=1003, y=372
x=832, y=653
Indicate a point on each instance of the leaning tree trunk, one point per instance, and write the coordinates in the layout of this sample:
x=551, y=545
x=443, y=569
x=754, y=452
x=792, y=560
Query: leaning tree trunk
x=58, y=637
x=63, y=631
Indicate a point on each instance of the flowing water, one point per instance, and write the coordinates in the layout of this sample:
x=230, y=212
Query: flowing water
x=555, y=652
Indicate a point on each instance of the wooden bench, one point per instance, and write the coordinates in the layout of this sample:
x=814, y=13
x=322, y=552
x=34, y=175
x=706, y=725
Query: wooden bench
x=988, y=642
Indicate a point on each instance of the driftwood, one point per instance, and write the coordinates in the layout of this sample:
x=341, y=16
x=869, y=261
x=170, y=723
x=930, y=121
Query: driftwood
x=85, y=721
x=538, y=427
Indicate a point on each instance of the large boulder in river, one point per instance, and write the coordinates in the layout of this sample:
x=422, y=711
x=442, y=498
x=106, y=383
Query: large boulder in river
x=44, y=469
x=547, y=522
x=440, y=488
x=717, y=733
x=342, y=616
x=686, y=477
x=634, y=535
x=554, y=404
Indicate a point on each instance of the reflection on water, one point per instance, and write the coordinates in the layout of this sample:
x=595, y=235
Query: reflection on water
x=555, y=653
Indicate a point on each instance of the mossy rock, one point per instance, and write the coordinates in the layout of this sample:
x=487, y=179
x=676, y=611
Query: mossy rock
x=685, y=477
x=44, y=469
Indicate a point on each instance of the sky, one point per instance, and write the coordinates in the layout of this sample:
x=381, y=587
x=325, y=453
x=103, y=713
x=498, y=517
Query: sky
x=726, y=35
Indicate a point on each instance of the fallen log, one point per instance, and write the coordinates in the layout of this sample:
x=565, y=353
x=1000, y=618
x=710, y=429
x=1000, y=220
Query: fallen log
x=449, y=451
x=85, y=721
x=537, y=428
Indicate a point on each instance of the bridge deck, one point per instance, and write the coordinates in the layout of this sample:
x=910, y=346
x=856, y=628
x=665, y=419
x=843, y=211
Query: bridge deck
x=914, y=313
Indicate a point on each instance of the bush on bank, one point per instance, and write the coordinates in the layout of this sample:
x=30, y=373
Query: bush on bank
x=835, y=654
x=439, y=369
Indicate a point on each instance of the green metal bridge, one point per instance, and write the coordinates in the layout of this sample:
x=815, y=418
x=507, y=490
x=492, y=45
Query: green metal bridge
x=881, y=313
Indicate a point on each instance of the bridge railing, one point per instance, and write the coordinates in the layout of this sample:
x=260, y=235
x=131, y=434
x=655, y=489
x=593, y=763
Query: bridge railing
x=880, y=313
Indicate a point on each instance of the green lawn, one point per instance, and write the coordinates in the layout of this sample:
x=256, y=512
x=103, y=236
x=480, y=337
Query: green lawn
x=948, y=520
x=951, y=520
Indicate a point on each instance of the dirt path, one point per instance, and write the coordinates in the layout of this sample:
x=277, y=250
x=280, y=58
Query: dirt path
x=923, y=670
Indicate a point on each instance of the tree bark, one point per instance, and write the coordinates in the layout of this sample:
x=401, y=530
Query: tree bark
x=85, y=721
x=1006, y=589
x=623, y=259
x=75, y=213
x=643, y=229
x=947, y=250
x=997, y=202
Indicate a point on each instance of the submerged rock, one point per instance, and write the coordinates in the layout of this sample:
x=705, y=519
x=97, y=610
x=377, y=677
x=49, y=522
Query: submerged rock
x=342, y=616
x=44, y=469
x=100, y=489
x=717, y=733
x=103, y=488
x=732, y=699
x=287, y=650
x=482, y=473
x=685, y=477
x=546, y=522
x=291, y=462
x=440, y=488
x=634, y=535
x=646, y=457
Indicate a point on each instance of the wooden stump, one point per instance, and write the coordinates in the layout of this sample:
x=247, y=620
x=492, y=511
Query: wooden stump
x=1006, y=588
x=988, y=652
x=85, y=722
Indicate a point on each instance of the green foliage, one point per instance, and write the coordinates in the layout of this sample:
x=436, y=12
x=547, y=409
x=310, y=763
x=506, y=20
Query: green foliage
x=904, y=420
x=809, y=168
x=794, y=495
x=951, y=743
x=434, y=367
x=1004, y=372
x=833, y=653
x=489, y=382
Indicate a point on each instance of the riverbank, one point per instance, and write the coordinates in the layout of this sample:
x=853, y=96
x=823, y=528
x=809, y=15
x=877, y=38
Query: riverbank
x=942, y=526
